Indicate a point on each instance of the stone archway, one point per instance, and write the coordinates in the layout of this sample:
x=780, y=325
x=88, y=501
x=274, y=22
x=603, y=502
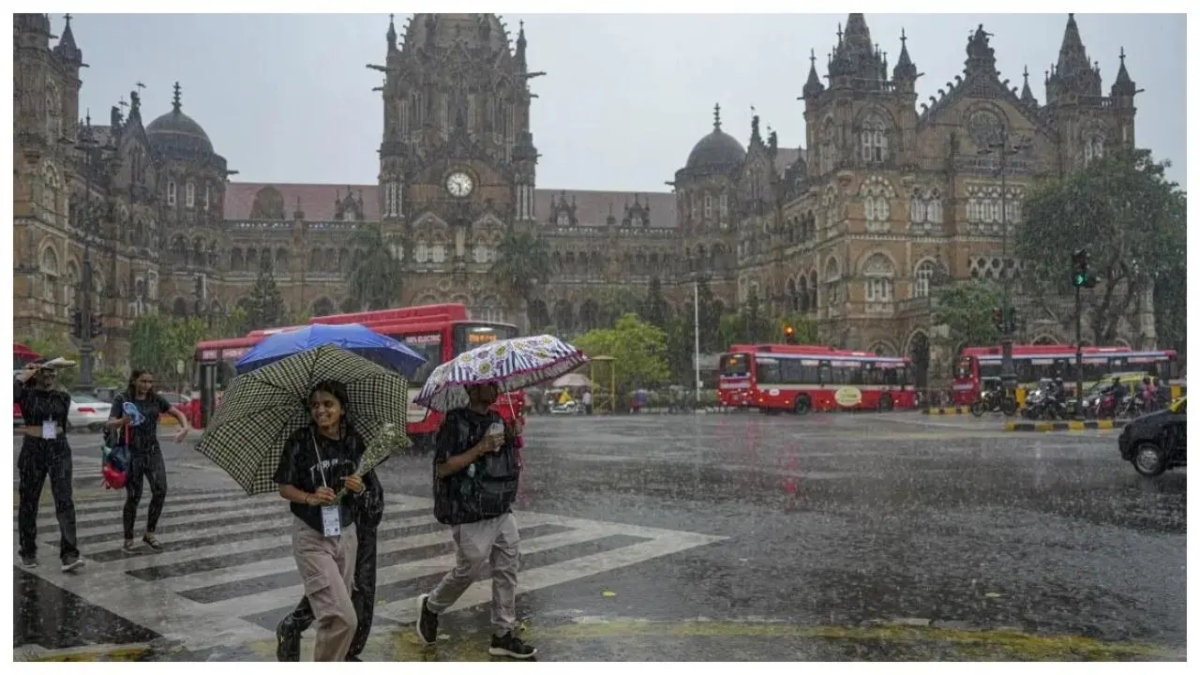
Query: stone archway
x=918, y=351
x=538, y=315
x=1045, y=340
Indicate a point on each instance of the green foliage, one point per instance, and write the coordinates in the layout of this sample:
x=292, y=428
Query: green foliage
x=639, y=350
x=654, y=308
x=375, y=281
x=160, y=343
x=615, y=302
x=1170, y=307
x=523, y=263
x=233, y=323
x=265, y=308
x=804, y=329
x=965, y=307
x=1126, y=213
x=680, y=346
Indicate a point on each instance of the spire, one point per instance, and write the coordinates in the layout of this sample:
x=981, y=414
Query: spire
x=716, y=118
x=755, y=136
x=857, y=61
x=813, y=87
x=1026, y=92
x=391, y=33
x=1124, y=85
x=905, y=70
x=520, y=55
x=176, y=103
x=66, y=48
x=1072, y=56
x=858, y=36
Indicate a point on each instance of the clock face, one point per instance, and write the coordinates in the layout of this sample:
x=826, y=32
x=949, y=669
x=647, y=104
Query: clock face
x=459, y=184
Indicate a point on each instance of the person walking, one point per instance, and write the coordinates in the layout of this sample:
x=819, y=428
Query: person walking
x=476, y=476
x=135, y=412
x=368, y=513
x=317, y=459
x=44, y=454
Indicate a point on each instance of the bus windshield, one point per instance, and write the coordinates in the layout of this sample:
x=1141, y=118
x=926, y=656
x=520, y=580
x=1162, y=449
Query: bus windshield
x=428, y=345
x=735, y=365
x=963, y=370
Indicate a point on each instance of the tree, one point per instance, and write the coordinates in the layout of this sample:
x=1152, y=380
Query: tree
x=654, y=308
x=965, y=308
x=233, y=323
x=639, y=350
x=804, y=329
x=1130, y=218
x=710, y=320
x=681, y=351
x=266, y=308
x=755, y=327
x=1170, y=307
x=161, y=344
x=375, y=280
x=522, y=264
x=615, y=302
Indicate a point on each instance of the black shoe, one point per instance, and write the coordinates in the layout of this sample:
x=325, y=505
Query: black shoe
x=287, y=642
x=29, y=561
x=72, y=563
x=427, y=623
x=511, y=646
x=355, y=659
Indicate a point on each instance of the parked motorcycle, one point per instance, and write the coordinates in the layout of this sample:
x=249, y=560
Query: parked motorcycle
x=993, y=400
x=568, y=408
x=1041, y=404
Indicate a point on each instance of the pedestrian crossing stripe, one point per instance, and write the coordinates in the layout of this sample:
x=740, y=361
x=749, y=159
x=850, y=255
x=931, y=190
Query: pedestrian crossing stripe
x=205, y=592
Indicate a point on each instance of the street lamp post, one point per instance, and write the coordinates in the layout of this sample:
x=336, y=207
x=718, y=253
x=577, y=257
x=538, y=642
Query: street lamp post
x=87, y=348
x=1004, y=147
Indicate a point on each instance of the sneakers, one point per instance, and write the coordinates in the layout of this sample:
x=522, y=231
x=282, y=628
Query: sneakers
x=152, y=541
x=71, y=564
x=130, y=547
x=287, y=641
x=511, y=646
x=427, y=624
x=29, y=561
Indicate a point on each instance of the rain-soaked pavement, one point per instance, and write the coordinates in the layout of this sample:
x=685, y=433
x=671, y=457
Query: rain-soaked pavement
x=710, y=537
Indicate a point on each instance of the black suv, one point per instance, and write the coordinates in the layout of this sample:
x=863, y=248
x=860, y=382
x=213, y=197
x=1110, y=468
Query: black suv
x=1156, y=442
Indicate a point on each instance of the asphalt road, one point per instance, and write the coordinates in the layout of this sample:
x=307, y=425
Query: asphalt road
x=708, y=537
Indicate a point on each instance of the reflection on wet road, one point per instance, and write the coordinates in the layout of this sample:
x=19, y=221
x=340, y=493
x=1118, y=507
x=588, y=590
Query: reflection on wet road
x=696, y=537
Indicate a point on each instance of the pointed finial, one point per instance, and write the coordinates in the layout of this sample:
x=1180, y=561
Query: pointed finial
x=717, y=117
x=1122, y=56
x=839, y=33
x=521, y=25
x=903, y=38
x=176, y=102
x=812, y=58
x=67, y=18
x=87, y=120
x=1026, y=74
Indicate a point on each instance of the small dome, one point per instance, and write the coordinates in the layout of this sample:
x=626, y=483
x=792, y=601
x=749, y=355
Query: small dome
x=717, y=150
x=177, y=131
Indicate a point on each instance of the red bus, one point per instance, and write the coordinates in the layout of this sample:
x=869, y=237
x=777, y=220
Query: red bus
x=22, y=355
x=800, y=378
x=980, y=366
x=437, y=332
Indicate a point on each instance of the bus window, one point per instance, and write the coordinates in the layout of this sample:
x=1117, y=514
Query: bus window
x=767, y=371
x=825, y=373
x=735, y=365
x=470, y=336
x=793, y=371
x=428, y=345
x=989, y=370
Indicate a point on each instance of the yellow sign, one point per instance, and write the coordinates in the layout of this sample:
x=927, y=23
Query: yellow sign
x=480, y=338
x=848, y=397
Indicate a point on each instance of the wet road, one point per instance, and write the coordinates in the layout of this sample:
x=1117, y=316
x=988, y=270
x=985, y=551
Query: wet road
x=709, y=537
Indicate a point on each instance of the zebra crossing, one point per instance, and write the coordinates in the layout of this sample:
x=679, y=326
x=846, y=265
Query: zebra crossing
x=226, y=574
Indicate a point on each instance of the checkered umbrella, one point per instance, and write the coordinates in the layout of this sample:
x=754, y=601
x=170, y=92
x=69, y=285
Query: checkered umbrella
x=261, y=409
x=510, y=364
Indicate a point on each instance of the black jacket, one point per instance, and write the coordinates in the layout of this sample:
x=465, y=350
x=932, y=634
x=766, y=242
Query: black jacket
x=485, y=489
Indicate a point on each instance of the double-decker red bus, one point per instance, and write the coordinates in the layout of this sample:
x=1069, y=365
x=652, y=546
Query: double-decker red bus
x=800, y=378
x=437, y=332
x=979, y=367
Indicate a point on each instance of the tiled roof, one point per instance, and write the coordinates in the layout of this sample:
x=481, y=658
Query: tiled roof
x=317, y=200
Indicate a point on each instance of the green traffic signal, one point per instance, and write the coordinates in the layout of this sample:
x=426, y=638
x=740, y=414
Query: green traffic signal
x=1079, y=279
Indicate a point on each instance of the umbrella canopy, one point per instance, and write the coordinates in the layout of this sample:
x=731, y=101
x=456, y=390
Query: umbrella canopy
x=261, y=409
x=351, y=336
x=510, y=364
x=576, y=380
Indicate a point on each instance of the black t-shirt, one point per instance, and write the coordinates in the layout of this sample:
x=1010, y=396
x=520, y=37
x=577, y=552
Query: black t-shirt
x=485, y=489
x=299, y=466
x=144, y=435
x=41, y=405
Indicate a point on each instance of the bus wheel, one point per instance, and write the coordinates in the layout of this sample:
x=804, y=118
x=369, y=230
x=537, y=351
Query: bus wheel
x=885, y=403
x=803, y=405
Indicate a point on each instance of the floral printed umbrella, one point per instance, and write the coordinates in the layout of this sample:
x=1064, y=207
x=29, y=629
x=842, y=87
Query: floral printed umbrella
x=510, y=364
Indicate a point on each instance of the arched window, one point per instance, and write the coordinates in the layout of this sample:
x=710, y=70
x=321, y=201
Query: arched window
x=1093, y=148
x=189, y=195
x=71, y=287
x=876, y=193
x=879, y=272
x=922, y=278
x=171, y=195
x=828, y=146
x=708, y=206
x=874, y=141
x=49, y=265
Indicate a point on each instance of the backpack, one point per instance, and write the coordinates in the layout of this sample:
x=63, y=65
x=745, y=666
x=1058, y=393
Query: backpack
x=114, y=459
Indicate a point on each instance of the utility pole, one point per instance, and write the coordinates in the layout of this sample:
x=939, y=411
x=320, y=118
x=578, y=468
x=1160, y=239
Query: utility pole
x=89, y=318
x=1004, y=148
x=696, y=332
x=1080, y=279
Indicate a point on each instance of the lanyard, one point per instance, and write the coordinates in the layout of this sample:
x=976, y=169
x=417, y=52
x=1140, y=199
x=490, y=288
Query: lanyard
x=320, y=463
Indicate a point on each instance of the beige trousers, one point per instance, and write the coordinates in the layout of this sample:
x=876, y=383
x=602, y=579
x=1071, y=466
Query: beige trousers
x=491, y=542
x=326, y=564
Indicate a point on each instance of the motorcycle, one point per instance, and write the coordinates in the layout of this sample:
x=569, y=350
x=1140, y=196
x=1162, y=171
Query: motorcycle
x=568, y=408
x=993, y=400
x=1041, y=404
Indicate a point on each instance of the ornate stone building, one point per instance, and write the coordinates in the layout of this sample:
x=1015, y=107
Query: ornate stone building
x=887, y=198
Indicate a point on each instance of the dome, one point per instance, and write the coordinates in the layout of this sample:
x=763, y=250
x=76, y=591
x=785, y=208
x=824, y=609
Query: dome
x=177, y=131
x=717, y=150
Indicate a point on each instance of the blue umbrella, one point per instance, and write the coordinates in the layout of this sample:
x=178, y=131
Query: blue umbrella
x=352, y=337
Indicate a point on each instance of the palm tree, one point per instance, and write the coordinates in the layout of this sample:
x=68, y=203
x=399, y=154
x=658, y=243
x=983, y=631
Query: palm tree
x=523, y=263
x=375, y=277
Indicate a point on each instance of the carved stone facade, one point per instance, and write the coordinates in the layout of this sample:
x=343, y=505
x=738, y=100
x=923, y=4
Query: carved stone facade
x=888, y=199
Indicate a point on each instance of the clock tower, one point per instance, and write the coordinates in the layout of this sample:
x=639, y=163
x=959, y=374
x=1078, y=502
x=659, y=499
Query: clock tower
x=457, y=162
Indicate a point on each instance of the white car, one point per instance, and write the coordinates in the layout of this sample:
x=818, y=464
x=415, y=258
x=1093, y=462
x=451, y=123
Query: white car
x=87, y=412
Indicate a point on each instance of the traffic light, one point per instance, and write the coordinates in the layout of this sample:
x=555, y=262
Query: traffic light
x=1079, y=268
x=77, y=324
x=97, y=327
x=789, y=335
x=1010, y=320
x=998, y=318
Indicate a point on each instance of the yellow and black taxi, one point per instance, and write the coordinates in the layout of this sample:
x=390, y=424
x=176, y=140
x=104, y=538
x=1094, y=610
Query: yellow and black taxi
x=1156, y=442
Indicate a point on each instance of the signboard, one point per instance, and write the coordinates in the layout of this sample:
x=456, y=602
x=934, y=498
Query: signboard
x=423, y=339
x=848, y=397
x=481, y=338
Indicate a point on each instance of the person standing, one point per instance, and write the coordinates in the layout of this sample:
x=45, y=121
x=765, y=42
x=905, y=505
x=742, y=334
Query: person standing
x=316, y=459
x=44, y=454
x=368, y=513
x=587, y=401
x=135, y=412
x=476, y=476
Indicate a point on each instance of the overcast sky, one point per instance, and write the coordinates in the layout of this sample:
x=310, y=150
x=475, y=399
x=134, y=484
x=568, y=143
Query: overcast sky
x=287, y=98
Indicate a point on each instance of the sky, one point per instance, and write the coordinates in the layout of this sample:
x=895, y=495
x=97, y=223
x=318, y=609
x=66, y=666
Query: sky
x=288, y=98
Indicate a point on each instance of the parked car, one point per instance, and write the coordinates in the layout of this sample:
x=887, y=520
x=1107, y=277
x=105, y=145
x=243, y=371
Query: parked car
x=87, y=412
x=1156, y=442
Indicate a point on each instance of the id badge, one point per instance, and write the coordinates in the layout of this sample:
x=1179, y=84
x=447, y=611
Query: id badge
x=49, y=431
x=331, y=518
